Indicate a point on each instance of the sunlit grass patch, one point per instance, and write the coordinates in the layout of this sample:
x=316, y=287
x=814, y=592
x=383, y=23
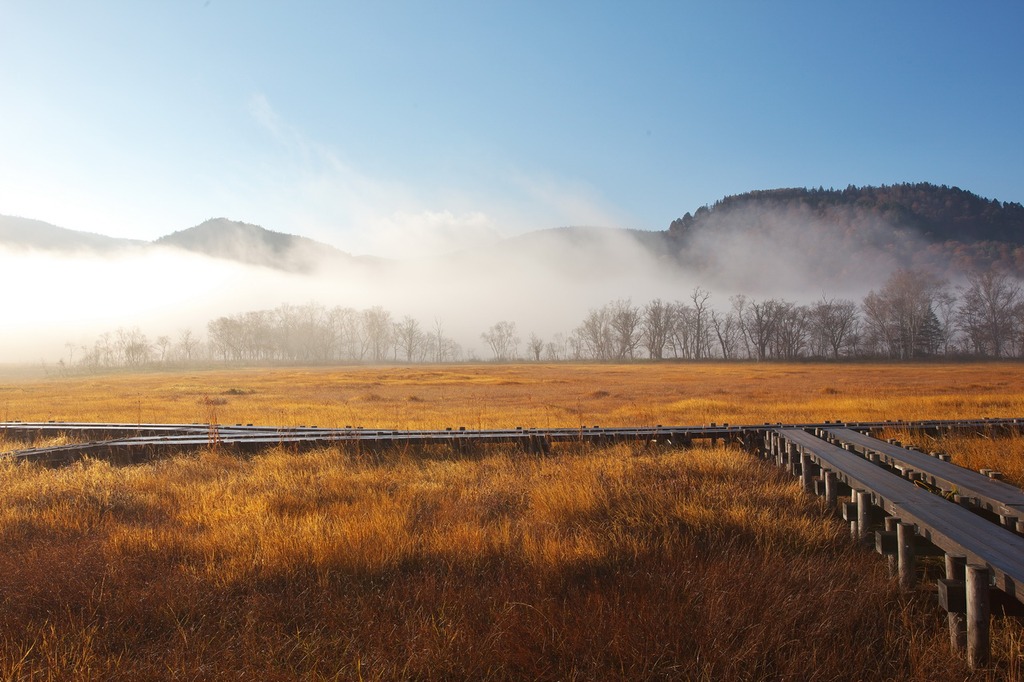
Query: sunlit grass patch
x=499, y=396
x=618, y=562
x=594, y=562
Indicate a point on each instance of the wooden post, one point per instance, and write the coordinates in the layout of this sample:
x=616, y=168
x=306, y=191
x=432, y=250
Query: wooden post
x=956, y=569
x=806, y=479
x=977, y=616
x=905, y=559
x=890, y=525
x=863, y=514
x=850, y=514
x=831, y=494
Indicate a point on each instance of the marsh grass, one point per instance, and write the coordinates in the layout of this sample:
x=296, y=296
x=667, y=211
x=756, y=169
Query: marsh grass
x=502, y=396
x=976, y=452
x=593, y=563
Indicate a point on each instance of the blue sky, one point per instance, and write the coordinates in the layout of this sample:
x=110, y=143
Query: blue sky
x=395, y=127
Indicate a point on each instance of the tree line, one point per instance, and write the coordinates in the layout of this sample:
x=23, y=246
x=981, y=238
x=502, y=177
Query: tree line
x=913, y=315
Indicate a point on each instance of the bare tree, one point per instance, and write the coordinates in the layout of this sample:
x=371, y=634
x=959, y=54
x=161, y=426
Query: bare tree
x=535, y=346
x=655, y=328
x=408, y=338
x=760, y=322
x=502, y=340
x=350, y=342
x=831, y=322
x=163, y=344
x=259, y=335
x=378, y=329
x=187, y=346
x=594, y=337
x=727, y=331
x=680, y=334
x=625, y=319
x=701, y=339
x=791, y=331
x=438, y=342
x=946, y=309
x=896, y=314
x=133, y=347
x=554, y=350
x=988, y=312
x=739, y=311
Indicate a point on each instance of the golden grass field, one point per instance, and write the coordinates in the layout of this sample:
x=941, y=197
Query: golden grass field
x=482, y=396
x=593, y=563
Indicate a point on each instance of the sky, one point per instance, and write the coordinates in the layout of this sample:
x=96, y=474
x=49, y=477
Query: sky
x=395, y=128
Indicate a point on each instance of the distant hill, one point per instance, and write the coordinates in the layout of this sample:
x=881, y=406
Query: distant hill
x=919, y=224
x=252, y=244
x=24, y=233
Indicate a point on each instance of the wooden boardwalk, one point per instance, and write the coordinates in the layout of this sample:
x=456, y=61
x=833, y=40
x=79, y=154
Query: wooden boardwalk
x=971, y=487
x=979, y=555
x=950, y=527
x=140, y=442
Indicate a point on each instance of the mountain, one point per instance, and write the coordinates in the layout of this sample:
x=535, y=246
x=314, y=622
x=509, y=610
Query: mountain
x=741, y=242
x=24, y=233
x=919, y=225
x=217, y=238
x=254, y=245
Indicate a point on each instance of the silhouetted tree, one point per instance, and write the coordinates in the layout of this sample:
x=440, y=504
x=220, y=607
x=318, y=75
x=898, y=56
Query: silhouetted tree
x=895, y=314
x=988, y=312
x=657, y=321
x=536, y=346
x=502, y=340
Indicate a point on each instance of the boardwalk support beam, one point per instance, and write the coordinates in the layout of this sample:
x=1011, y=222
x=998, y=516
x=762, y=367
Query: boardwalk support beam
x=863, y=514
x=953, y=598
x=978, y=611
x=905, y=558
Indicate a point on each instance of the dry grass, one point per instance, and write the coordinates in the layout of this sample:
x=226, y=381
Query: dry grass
x=605, y=563
x=490, y=396
x=974, y=452
x=612, y=563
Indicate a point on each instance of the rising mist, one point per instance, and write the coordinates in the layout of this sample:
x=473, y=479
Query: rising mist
x=543, y=281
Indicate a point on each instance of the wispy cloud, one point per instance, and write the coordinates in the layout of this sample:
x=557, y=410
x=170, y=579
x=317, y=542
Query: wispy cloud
x=305, y=186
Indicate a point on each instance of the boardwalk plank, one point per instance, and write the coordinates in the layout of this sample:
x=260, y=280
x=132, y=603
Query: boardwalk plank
x=996, y=496
x=949, y=526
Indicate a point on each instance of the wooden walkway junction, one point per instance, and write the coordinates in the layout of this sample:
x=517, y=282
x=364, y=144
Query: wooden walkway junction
x=889, y=505
x=908, y=503
x=970, y=488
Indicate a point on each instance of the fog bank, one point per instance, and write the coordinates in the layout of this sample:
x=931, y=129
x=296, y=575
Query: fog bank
x=544, y=281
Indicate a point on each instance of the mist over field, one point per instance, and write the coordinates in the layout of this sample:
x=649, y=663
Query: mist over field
x=545, y=285
x=932, y=258
x=545, y=281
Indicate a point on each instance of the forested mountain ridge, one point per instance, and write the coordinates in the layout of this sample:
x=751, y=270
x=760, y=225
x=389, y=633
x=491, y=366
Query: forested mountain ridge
x=926, y=223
